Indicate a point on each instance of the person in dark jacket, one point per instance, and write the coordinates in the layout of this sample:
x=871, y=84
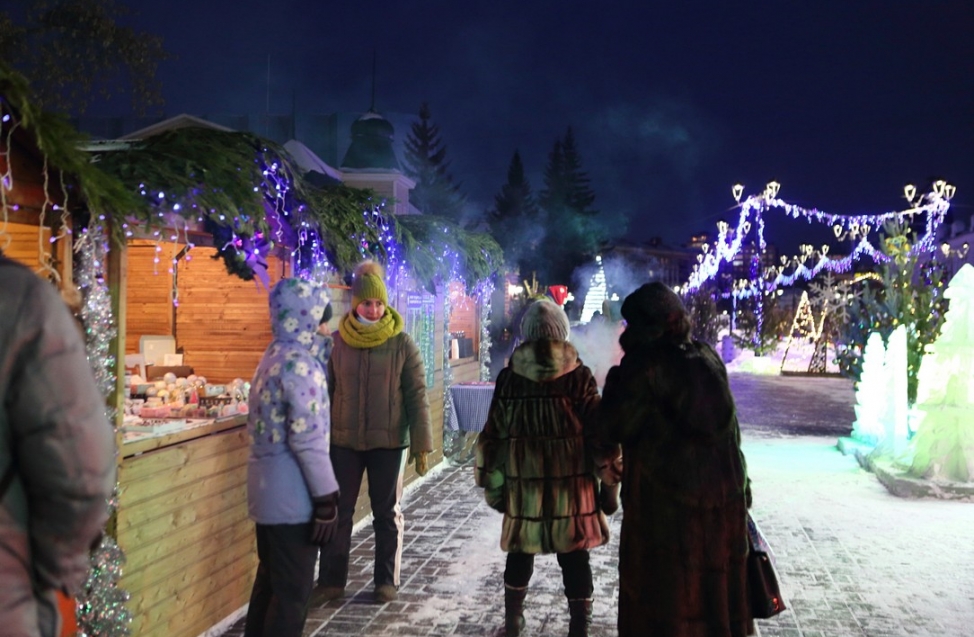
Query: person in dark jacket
x=537, y=461
x=57, y=454
x=685, y=490
x=379, y=411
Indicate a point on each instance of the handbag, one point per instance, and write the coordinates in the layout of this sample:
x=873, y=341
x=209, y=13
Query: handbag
x=762, y=581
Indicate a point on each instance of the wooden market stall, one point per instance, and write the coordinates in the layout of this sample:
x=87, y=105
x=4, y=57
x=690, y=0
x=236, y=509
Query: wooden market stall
x=181, y=517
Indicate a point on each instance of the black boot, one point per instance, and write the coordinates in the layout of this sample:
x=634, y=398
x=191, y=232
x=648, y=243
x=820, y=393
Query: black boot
x=581, y=617
x=514, y=610
x=609, y=498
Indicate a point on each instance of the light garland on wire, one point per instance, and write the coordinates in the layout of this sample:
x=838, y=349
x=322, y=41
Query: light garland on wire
x=484, y=291
x=101, y=607
x=447, y=369
x=729, y=243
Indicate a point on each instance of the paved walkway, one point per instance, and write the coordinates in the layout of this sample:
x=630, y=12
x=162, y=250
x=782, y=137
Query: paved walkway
x=854, y=561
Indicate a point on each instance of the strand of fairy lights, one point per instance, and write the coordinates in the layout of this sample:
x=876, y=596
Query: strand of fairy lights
x=730, y=243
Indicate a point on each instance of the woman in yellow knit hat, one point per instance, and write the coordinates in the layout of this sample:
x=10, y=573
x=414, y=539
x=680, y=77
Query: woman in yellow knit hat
x=379, y=410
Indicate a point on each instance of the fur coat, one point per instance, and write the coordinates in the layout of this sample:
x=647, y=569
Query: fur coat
x=684, y=540
x=536, y=457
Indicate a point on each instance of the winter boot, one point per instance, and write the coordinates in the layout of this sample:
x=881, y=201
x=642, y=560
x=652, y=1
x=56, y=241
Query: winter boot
x=580, y=611
x=609, y=498
x=514, y=610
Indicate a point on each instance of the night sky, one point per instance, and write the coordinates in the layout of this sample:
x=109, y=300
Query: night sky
x=841, y=101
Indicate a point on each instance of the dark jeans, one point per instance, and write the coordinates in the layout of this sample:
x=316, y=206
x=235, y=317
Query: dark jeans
x=385, y=471
x=285, y=577
x=576, y=573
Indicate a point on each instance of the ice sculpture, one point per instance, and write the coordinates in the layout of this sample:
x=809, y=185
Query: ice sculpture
x=870, y=393
x=897, y=401
x=943, y=446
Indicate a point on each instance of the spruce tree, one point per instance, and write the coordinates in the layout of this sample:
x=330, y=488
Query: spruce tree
x=435, y=192
x=77, y=50
x=514, y=219
x=573, y=234
x=911, y=294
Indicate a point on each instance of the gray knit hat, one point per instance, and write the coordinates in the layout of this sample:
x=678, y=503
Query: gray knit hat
x=544, y=319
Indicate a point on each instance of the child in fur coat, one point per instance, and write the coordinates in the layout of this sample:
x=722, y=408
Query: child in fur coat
x=537, y=460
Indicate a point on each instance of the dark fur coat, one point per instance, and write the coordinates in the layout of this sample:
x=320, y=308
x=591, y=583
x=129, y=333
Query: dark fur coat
x=536, y=457
x=684, y=539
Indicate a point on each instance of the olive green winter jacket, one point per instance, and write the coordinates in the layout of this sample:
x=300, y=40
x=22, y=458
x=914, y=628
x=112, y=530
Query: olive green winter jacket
x=378, y=396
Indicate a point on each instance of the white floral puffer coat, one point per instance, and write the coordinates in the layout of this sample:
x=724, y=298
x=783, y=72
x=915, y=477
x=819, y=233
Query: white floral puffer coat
x=289, y=413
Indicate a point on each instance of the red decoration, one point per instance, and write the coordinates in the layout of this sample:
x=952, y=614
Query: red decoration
x=559, y=293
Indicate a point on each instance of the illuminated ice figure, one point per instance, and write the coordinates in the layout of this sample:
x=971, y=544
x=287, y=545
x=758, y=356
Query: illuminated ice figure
x=870, y=393
x=897, y=404
x=943, y=446
x=598, y=292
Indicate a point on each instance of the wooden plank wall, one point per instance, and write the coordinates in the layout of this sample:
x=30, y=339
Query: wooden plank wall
x=190, y=547
x=26, y=243
x=148, y=294
x=221, y=323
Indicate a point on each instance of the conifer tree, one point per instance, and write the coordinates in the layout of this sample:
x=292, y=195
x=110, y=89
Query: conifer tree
x=73, y=51
x=514, y=219
x=573, y=234
x=911, y=294
x=435, y=192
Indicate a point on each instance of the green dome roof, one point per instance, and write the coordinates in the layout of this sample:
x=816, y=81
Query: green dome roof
x=371, y=144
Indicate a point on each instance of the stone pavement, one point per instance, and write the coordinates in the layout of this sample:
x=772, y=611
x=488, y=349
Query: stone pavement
x=853, y=560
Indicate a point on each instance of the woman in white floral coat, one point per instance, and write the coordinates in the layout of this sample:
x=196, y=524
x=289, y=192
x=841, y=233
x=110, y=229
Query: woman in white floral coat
x=291, y=488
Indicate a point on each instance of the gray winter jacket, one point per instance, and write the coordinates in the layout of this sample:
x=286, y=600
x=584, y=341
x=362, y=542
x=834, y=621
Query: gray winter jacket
x=55, y=435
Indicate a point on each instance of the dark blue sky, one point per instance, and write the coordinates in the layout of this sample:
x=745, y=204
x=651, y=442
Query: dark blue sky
x=841, y=101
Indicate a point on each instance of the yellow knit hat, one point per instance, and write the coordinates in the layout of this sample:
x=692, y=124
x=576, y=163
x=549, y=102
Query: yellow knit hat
x=367, y=283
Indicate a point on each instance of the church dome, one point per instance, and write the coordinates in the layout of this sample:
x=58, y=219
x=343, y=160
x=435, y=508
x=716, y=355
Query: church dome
x=371, y=146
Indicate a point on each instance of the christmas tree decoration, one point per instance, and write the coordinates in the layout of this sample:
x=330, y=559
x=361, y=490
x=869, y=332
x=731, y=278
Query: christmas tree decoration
x=101, y=606
x=943, y=446
x=598, y=293
x=803, y=336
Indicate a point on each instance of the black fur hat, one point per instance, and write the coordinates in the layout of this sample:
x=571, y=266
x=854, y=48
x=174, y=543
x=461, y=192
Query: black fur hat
x=653, y=304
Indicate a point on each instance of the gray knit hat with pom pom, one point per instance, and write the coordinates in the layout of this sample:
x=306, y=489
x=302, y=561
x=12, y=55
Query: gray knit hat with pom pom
x=544, y=319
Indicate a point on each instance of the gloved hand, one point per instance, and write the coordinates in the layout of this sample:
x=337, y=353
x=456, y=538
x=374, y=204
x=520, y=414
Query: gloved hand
x=325, y=518
x=420, y=458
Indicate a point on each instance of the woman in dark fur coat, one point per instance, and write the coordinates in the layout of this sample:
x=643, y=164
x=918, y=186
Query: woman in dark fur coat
x=685, y=490
x=537, y=459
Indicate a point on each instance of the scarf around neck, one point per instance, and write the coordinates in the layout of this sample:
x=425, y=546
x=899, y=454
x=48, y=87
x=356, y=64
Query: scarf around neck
x=363, y=335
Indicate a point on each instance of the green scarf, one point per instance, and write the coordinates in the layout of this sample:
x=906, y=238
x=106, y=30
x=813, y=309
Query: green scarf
x=363, y=336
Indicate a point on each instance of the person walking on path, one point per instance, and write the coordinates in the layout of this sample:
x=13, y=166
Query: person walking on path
x=379, y=411
x=292, y=492
x=57, y=453
x=537, y=459
x=685, y=490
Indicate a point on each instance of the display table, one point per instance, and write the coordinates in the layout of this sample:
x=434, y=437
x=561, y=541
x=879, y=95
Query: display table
x=469, y=404
x=182, y=522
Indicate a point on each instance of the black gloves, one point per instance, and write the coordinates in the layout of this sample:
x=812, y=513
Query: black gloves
x=324, y=521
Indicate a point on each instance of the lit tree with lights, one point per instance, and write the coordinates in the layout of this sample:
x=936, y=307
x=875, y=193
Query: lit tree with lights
x=701, y=305
x=910, y=294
